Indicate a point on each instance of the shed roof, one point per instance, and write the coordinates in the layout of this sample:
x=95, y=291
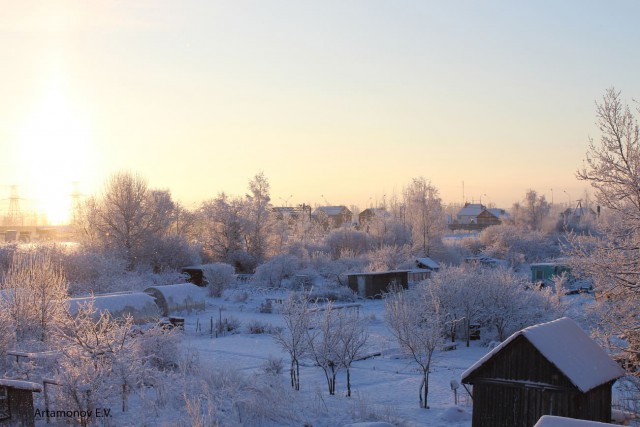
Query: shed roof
x=563, y=343
x=428, y=262
x=20, y=385
x=331, y=210
x=555, y=421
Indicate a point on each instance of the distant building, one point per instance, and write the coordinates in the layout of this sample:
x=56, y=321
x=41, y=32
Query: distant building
x=332, y=216
x=376, y=284
x=476, y=216
x=427, y=264
x=368, y=214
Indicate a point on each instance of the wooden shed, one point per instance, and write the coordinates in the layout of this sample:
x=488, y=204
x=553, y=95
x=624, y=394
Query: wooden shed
x=375, y=284
x=549, y=369
x=180, y=297
x=16, y=402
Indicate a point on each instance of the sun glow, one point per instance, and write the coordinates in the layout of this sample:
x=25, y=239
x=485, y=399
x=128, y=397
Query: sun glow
x=54, y=144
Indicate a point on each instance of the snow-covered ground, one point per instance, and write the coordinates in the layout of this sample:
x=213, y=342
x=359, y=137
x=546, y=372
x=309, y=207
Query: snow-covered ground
x=385, y=384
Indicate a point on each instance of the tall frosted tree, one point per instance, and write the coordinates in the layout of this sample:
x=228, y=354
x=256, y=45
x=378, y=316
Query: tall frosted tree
x=127, y=216
x=424, y=215
x=611, y=256
x=257, y=217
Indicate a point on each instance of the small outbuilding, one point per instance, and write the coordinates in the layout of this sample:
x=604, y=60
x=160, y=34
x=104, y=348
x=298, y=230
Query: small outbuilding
x=180, y=297
x=553, y=368
x=427, y=263
x=16, y=402
x=375, y=284
x=139, y=305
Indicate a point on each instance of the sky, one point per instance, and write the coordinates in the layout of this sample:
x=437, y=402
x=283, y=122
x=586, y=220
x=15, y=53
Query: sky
x=336, y=102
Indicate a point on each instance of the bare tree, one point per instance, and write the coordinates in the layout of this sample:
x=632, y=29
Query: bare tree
x=294, y=337
x=257, y=217
x=352, y=339
x=324, y=344
x=415, y=319
x=33, y=291
x=221, y=227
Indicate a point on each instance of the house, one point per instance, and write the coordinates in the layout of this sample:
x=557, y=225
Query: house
x=370, y=213
x=427, y=264
x=16, y=402
x=476, y=216
x=375, y=284
x=332, y=216
x=552, y=368
x=469, y=213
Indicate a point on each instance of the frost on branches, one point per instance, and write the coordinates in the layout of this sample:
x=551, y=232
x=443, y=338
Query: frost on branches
x=611, y=257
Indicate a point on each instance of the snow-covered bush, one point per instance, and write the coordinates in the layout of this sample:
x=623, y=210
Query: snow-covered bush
x=518, y=245
x=259, y=327
x=388, y=258
x=273, y=365
x=170, y=253
x=277, y=269
x=219, y=276
x=341, y=240
x=158, y=348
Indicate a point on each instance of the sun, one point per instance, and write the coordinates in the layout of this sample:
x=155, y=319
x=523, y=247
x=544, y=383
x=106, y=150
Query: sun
x=55, y=146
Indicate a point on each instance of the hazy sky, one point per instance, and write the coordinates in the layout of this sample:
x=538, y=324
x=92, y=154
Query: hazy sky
x=343, y=101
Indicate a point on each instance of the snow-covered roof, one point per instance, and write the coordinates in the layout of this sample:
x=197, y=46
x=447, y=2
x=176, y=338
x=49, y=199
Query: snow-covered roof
x=554, y=421
x=428, y=262
x=500, y=213
x=563, y=343
x=471, y=209
x=137, y=304
x=331, y=210
x=20, y=385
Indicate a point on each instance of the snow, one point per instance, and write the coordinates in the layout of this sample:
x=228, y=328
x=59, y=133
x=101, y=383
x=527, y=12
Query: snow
x=570, y=349
x=182, y=296
x=428, y=263
x=21, y=385
x=138, y=304
x=553, y=421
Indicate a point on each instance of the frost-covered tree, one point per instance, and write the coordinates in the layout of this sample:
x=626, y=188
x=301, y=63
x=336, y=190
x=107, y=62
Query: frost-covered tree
x=293, y=338
x=532, y=212
x=257, y=217
x=97, y=359
x=220, y=228
x=416, y=321
x=611, y=257
x=324, y=343
x=424, y=215
x=353, y=335
x=32, y=295
x=126, y=217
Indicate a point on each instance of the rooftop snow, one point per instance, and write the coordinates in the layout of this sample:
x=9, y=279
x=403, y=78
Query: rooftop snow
x=570, y=349
x=21, y=385
x=553, y=421
x=428, y=262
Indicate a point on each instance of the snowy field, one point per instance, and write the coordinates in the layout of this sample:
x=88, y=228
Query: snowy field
x=384, y=387
x=389, y=382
